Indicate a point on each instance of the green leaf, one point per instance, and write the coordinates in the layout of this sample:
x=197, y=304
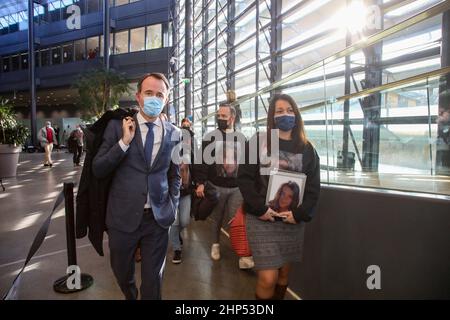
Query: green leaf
x=99, y=90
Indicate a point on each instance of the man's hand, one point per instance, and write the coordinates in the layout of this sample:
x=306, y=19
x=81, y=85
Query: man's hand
x=128, y=130
x=268, y=216
x=200, y=191
x=287, y=217
x=163, y=117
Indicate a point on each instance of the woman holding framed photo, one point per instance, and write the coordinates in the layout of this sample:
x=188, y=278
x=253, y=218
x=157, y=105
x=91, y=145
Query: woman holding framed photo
x=275, y=226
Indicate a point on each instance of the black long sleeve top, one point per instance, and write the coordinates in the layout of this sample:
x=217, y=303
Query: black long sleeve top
x=253, y=185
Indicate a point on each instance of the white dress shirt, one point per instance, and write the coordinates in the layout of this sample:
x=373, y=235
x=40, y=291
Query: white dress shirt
x=157, y=137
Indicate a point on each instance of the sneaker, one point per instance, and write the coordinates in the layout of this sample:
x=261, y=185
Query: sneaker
x=246, y=263
x=176, y=257
x=215, y=251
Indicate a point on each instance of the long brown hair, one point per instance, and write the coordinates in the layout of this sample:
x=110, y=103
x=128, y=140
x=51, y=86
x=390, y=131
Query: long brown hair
x=298, y=132
x=275, y=203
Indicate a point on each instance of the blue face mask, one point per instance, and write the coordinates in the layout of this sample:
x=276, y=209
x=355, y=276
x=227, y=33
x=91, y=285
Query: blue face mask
x=285, y=123
x=153, y=106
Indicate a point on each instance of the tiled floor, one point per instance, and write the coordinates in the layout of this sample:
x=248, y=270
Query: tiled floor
x=28, y=200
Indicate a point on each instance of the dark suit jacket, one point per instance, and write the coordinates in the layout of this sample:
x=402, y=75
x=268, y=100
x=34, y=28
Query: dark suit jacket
x=92, y=195
x=128, y=190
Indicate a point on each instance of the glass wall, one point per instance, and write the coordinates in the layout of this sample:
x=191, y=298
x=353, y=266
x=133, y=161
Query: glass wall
x=15, y=62
x=92, y=47
x=5, y=64
x=154, y=37
x=45, y=57
x=133, y=40
x=56, y=55
x=176, y=62
x=246, y=46
x=121, y=42
x=409, y=153
x=68, y=52
x=137, y=39
x=80, y=49
x=49, y=11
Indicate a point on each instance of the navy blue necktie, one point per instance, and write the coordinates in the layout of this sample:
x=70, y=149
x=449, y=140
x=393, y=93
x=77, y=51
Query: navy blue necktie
x=149, y=140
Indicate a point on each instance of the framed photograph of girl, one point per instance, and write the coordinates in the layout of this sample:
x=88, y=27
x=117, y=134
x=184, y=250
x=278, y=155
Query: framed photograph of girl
x=285, y=190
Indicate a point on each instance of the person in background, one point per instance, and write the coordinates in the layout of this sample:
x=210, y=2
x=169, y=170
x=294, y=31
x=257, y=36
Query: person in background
x=223, y=177
x=184, y=208
x=58, y=142
x=231, y=98
x=66, y=136
x=276, y=238
x=76, y=140
x=47, y=139
x=91, y=54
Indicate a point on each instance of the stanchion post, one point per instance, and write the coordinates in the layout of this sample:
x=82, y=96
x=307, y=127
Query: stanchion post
x=70, y=224
x=86, y=280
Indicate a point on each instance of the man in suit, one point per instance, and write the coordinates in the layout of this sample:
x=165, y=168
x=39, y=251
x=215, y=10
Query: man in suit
x=145, y=188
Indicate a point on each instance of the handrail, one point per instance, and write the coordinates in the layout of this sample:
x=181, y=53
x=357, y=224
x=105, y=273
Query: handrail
x=396, y=84
x=366, y=92
x=363, y=43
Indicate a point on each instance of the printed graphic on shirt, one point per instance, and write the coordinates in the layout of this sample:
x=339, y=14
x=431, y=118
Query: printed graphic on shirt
x=280, y=159
x=227, y=155
x=290, y=161
x=185, y=176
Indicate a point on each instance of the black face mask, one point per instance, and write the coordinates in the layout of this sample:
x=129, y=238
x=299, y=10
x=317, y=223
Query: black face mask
x=186, y=127
x=222, y=124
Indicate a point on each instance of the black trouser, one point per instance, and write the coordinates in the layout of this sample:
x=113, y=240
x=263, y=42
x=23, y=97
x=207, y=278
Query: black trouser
x=153, y=241
x=77, y=154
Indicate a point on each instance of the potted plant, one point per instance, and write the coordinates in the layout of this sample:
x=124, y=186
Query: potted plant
x=98, y=91
x=12, y=137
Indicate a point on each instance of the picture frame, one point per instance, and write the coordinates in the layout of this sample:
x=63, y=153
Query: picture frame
x=285, y=190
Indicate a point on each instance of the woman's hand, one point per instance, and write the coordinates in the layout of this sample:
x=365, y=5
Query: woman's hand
x=268, y=216
x=200, y=191
x=287, y=216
